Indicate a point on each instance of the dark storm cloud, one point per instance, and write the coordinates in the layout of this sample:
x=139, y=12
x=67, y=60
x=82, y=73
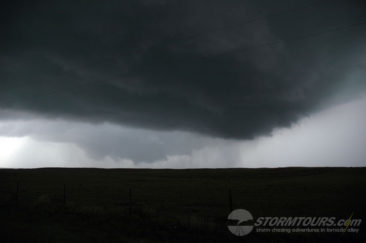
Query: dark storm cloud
x=225, y=68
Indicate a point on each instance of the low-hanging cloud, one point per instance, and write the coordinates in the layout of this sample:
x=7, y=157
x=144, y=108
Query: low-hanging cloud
x=233, y=69
x=111, y=140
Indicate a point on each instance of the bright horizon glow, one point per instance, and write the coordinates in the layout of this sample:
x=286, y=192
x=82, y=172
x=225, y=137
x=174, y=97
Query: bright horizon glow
x=8, y=147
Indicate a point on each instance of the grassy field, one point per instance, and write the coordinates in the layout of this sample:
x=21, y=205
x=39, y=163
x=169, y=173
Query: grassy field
x=141, y=205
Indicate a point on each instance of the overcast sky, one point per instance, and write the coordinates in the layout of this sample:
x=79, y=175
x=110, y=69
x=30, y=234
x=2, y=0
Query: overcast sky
x=178, y=84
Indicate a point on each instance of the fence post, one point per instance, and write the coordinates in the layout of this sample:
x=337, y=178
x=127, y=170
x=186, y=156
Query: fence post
x=64, y=194
x=17, y=195
x=230, y=201
x=130, y=202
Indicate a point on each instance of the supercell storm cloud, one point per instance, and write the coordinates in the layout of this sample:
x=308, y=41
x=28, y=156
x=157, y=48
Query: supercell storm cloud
x=226, y=69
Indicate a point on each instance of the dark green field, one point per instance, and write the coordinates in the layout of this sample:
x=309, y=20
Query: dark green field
x=130, y=205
